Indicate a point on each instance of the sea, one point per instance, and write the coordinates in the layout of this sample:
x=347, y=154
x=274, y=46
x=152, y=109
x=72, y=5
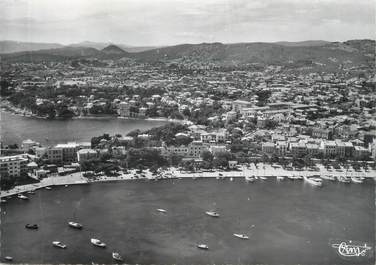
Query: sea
x=16, y=128
x=287, y=222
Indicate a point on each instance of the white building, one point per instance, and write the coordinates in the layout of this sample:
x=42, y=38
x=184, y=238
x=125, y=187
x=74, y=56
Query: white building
x=193, y=150
x=13, y=166
x=29, y=144
x=69, y=151
x=86, y=154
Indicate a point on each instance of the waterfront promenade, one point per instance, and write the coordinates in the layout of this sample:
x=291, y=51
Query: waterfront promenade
x=261, y=170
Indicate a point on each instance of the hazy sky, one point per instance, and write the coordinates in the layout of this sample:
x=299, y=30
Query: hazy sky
x=162, y=22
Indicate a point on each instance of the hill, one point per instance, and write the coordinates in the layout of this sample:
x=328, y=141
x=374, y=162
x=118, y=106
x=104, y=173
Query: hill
x=113, y=49
x=316, y=55
x=327, y=55
x=306, y=43
x=57, y=54
x=102, y=45
x=8, y=46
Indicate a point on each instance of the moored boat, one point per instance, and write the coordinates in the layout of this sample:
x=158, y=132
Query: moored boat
x=263, y=178
x=314, y=181
x=250, y=178
x=162, y=210
x=241, y=236
x=116, y=256
x=58, y=244
x=295, y=177
x=75, y=225
x=22, y=197
x=48, y=188
x=31, y=226
x=8, y=258
x=328, y=177
x=356, y=180
x=202, y=246
x=212, y=213
x=97, y=242
x=343, y=179
x=280, y=178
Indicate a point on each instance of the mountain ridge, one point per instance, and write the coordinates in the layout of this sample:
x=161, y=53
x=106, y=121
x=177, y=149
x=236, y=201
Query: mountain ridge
x=333, y=55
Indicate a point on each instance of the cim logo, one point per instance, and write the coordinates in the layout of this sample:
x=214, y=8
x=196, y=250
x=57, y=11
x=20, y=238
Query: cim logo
x=349, y=248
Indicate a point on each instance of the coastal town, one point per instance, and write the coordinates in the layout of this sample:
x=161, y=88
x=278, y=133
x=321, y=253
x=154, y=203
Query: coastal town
x=187, y=132
x=222, y=119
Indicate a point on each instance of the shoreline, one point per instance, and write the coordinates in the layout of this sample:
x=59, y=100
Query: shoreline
x=78, y=179
x=8, y=108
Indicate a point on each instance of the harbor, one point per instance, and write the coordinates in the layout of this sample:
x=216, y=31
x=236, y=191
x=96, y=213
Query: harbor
x=254, y=171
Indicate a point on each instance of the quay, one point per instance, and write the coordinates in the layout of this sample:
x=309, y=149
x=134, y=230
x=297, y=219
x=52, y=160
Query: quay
x=261, y=170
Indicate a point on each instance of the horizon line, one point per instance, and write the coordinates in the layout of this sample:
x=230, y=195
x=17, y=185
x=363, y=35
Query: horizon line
x=182, y=43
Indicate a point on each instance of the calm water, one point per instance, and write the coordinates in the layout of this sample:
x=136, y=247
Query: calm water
x=15, y=128
x=288, y=222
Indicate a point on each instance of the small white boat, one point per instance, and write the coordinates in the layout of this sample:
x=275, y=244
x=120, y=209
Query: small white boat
x=231, y=179
x=66, y=186
x=295, y=177
x=328, y=177
x=75, y=225
x=22, y=197
x=280, y=178
x=116, y=256
x=343, y=179
x=48, y=188
x=212, y=213
x=31, y=192
x=3, y=201
x=97, y=242
x=8, y=258
x=356, y=180
x=241, y=236
x=58, y=244
x=250, y=179
x=262, y=178
x=314, y=181
x=162, y=210
x=202, y=246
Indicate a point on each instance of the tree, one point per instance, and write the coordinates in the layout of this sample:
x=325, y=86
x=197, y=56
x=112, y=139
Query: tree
x=134, y=133
x=188, y=165
x=183, y=140
x=13, y=146
x=63, y=111
x=145, y=157
x=263, y=96
x=207, y=156
x=307, y=160
x=186, y=112
x=221, y=159
x=174, y=159
x=96, y=140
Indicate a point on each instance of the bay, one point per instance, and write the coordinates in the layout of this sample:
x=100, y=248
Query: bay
x=15, y=128
x=288, y=222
